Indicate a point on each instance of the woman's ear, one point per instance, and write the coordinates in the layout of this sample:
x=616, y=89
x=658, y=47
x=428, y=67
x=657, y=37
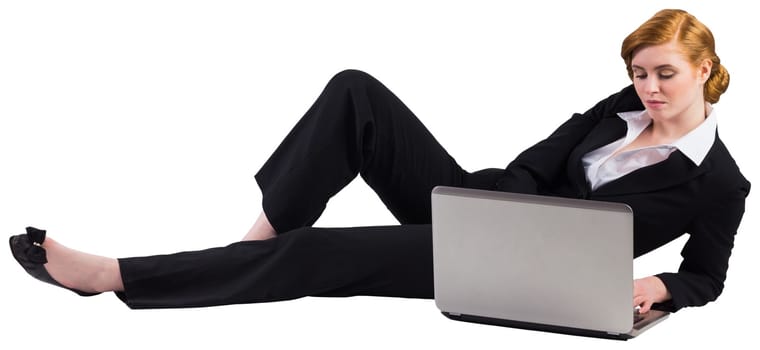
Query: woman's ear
x=704, y=69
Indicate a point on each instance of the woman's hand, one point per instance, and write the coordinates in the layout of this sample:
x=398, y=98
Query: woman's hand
x=647, y=291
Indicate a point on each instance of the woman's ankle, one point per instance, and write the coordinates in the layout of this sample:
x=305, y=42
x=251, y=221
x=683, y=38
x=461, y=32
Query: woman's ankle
x=109, y=277
x=261, y=230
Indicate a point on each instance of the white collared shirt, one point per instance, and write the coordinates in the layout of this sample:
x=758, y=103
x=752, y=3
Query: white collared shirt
x=602, y=168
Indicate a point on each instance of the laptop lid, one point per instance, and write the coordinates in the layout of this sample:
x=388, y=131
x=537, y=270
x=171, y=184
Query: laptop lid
x=533, y=260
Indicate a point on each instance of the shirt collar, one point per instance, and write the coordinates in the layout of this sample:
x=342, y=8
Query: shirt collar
x=695, y=144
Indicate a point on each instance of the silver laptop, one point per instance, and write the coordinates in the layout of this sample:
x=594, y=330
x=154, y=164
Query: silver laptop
x=536, y=262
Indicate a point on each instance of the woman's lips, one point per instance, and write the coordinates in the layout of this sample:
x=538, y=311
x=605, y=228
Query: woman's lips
x=655, y=103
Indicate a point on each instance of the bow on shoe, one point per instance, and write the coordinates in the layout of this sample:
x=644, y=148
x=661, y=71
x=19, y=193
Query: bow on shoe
x=35, y=253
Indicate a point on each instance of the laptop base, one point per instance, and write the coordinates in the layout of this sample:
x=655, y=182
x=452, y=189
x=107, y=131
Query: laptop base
x=650, y=319
x=536, y=326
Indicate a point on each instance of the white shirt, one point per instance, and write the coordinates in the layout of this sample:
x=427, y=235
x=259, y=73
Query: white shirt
x=602, y=168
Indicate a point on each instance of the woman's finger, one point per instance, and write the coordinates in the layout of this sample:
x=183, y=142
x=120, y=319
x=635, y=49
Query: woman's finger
x=645, y=307
x=638, y=300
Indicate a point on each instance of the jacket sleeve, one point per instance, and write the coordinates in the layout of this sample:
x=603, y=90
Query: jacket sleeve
x=536, y=167
x=702, y=272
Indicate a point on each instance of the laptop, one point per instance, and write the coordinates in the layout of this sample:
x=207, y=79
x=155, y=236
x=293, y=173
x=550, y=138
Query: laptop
x=536, y=262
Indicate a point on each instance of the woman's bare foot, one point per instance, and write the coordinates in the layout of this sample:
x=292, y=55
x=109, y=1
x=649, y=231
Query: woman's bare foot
x=82, y=271
x=260, y=230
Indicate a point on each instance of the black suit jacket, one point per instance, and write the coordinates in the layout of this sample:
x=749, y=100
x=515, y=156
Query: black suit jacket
x=669, y=198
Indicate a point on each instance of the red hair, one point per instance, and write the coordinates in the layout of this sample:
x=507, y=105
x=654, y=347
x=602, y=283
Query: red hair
x=694, y=39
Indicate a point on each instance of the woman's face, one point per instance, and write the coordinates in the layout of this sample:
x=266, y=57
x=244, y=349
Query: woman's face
x=670, y=87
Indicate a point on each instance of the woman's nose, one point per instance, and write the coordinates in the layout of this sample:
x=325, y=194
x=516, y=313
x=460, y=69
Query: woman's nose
x=652, y=86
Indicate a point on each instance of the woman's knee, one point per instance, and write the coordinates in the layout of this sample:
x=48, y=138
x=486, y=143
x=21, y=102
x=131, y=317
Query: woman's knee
x=351, y=78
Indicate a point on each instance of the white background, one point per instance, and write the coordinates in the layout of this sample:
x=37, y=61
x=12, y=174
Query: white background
x=135, y=128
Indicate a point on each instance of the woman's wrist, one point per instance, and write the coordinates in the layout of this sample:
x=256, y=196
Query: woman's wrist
x=663, y=294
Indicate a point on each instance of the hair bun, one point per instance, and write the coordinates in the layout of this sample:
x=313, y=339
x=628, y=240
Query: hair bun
x=717, y=84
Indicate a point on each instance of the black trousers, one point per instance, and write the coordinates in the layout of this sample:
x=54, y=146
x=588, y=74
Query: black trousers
x=356, y=126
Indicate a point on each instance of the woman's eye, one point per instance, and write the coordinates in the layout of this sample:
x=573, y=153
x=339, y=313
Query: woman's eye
x=666, y=74
x=640, y=76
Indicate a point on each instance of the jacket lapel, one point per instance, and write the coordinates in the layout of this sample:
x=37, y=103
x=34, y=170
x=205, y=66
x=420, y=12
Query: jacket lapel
x=675, y=170
x=608, y=130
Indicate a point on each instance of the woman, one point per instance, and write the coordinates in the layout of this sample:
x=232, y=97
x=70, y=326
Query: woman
x=662, y=157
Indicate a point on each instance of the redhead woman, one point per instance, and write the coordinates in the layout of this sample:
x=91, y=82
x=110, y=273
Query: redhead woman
x=653, y=146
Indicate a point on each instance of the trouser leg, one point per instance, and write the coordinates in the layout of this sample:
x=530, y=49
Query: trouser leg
x=391, y=261
x=356, y=126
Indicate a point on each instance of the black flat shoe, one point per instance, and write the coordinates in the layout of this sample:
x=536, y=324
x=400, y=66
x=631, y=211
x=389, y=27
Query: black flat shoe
x=28, y=251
